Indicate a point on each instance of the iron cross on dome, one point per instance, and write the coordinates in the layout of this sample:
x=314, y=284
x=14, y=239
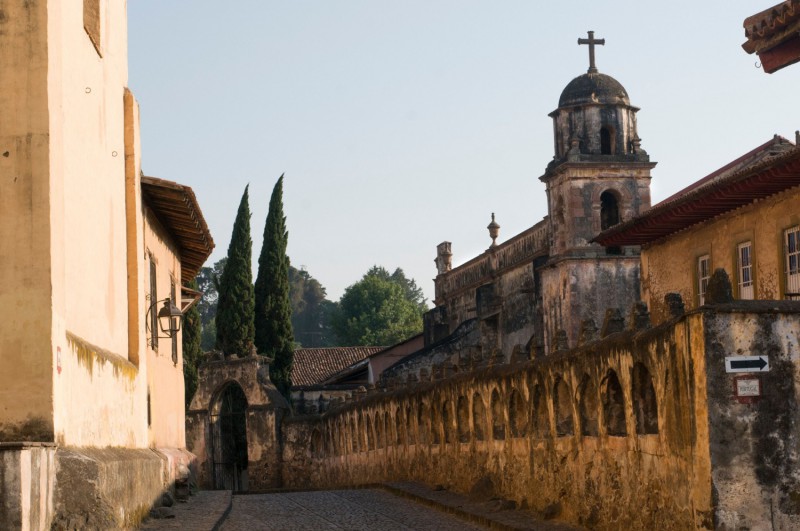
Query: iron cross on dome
x=591, y=41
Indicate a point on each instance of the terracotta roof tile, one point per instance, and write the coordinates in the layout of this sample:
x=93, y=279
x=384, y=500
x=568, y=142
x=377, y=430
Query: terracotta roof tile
x=772, y=168
x=312, y=366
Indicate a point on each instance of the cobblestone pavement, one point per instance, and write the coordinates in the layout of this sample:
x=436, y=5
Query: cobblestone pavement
x=366, y=509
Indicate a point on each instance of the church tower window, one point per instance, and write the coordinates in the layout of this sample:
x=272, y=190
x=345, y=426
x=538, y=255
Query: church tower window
x=606, y=141
x=609, y=210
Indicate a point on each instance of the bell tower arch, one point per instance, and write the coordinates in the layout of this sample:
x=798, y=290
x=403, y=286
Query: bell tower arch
x=599, y=176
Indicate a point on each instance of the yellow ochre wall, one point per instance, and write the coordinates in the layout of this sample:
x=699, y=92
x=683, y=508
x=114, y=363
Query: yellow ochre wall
x=74, y=239
x=670, y=265
x=164, y=377
x=25, y=180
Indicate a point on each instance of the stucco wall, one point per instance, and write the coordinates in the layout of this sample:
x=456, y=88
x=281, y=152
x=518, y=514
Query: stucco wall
x=165, y=383
x=654, y=458
x=670, y=265
x=26, y=355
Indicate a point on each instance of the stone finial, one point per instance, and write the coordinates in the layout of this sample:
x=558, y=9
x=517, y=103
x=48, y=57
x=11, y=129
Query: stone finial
x=497, y=357
x=494, y=231
x=640, y=316
x=588, y=332
x=560, y=340
x=444, y=258
x=719, y=290
x=360, y=393
x=675, y=305
x=613, y=322
x=797, y=139
x=438, y=373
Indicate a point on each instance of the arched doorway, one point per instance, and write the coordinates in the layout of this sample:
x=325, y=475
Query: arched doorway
x=229, y=439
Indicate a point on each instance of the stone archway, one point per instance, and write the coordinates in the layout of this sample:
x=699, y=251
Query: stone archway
x=233, y=425
x=228, y=423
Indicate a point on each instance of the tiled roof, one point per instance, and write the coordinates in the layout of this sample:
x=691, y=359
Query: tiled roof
x=769, y=169
x=773, y=35
x=176, y=207
x=312, y=366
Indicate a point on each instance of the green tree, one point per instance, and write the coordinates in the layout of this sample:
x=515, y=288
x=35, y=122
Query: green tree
x=273, y=312
x=376, y=310
x=192, y=351
x=311, y=310
x=208, y=283
x=235, y=306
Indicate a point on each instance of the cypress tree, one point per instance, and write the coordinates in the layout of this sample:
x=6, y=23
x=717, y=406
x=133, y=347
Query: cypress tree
x=274, y=337
x=235, y=326
x=192, y=352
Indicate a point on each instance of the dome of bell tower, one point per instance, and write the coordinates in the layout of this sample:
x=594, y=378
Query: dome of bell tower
x=593, y=88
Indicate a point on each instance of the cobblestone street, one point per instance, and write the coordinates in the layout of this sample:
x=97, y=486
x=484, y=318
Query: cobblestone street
x=339, y=509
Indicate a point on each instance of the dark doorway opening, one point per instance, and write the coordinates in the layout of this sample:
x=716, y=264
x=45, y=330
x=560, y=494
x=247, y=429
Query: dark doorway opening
x=229, y=440
x=606, y=142
x=609, y=210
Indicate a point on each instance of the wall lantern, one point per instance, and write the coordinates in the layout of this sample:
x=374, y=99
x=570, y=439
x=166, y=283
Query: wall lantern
x=169, y=317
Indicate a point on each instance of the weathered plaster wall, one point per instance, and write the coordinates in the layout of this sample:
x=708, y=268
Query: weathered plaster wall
x=575, y=290
x=99, y=392
x=265, y=411
x=671, y=265
x=27, y=483
x=26, y=355
x=615, y=434
x=754, y=446
x=165, y=384
x=583, y=435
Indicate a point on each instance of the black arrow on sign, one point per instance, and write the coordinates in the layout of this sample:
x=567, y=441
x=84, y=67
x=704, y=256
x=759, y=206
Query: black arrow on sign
x=759, y=364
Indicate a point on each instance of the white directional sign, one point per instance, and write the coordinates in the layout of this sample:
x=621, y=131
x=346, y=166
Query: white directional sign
x=746, y=364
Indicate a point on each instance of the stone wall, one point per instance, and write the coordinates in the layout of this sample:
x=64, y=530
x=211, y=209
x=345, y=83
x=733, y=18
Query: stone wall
x=27, y=483
x=633, y=430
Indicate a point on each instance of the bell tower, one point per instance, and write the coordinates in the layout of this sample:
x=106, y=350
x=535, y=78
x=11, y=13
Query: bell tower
x=599, y=176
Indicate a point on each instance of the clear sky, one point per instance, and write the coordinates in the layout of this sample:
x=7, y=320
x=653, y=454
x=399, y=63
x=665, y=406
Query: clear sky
x=401, y=124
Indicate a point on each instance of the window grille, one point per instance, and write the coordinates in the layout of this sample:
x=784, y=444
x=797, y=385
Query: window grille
x=703, y=274
x=791, y=242
x=745, y=259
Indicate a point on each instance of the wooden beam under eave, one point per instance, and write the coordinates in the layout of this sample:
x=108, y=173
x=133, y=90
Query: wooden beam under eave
x=780, y=56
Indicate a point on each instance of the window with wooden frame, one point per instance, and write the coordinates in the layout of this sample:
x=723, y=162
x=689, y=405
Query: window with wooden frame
x=151, y=302
x=703, y=274
x=791, y=251
x=173, y=300
x=744, y=259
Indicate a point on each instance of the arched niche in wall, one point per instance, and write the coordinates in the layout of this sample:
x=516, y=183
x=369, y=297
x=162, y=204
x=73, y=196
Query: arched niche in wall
x=541, y=424
x=410, y=426
x=370, y=433
x=589, y=407
x=562, y=407
x=609, y=209
x=517, y=414
x=498, y=417
x=644, y=400
x=400, y=427
x=613, y=406
x=424, y=422
x=447, y=422
x=478, y=417
x=316, y=444
x=462, y=419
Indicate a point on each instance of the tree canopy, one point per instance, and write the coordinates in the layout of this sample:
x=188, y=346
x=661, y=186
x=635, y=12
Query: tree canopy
x=311, y=310
x=235, y=306
x=273, y=312
x=379, y=309
x=192, y=352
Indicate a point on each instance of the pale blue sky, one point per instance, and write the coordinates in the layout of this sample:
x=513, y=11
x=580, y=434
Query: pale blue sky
x=405, y=123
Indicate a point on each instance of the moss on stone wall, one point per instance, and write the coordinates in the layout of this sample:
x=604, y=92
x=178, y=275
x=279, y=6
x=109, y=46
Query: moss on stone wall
x=89, y=354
